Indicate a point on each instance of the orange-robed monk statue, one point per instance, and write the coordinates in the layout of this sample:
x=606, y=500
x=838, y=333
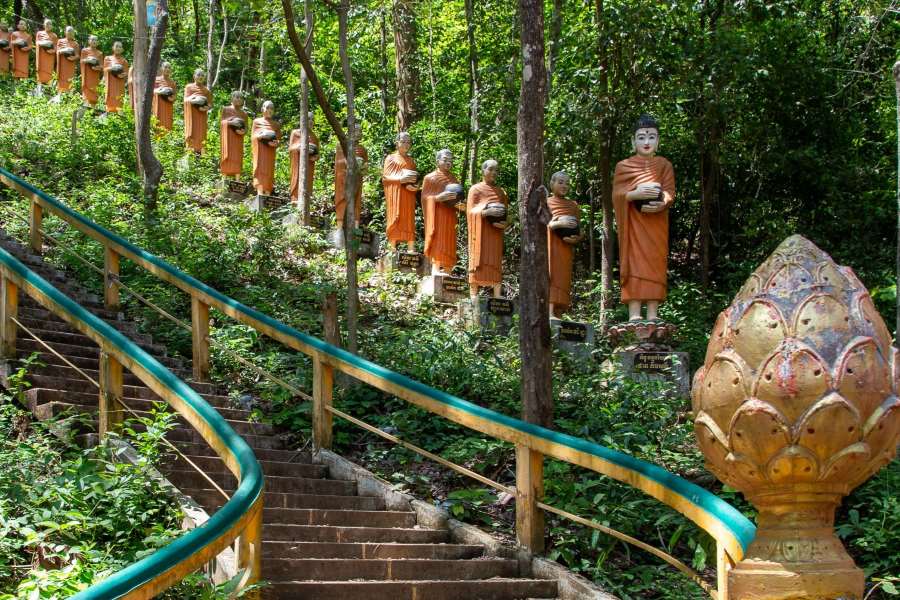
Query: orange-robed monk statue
x=265, y=136
x=340, y=179
x=21, y=43
x=563, y=232
x=67, y=56
x=197, y=102
x=115, y=69
x=5, y=49
x=45, y=60
x=439, y=205
x=486, y=215
x=312, y=155
x=643, y=191
x=164, y=98
x=233, y=129
x=91, y=68
x=399, y=178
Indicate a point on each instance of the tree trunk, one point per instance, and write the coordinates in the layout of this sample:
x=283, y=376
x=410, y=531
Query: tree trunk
x=382, y=56
x=407, y=63
x=146, y=65
x=474, y=138
x=556, y=25
x=897, y=88
x=534, y=288
x=604, y=167
x=17, y=12
x=196, y=7
x=214, y=79
x=303, y=172
x=210, y=38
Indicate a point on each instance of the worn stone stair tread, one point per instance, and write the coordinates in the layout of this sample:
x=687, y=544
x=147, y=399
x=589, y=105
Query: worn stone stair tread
x=332, y=533
x=387, y=569
x=213, y=464
x=285, y=456
x=40, y=395
x=77, y=339
x=339, y=517
x=485, y=589
x=366, y=550
x=276, y=484
x=87, y=358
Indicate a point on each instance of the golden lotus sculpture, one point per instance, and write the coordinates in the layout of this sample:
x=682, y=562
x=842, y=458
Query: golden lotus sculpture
x=795, y=406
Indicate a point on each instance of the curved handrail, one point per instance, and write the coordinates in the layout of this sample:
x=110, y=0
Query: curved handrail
x=191, y=550
x=731, y=529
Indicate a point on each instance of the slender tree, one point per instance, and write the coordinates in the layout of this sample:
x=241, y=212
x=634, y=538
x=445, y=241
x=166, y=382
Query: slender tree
x=146, y=64
x=897, y=91
x=606, y=131
x=473, y=139
x=534, y=288
x=303, y=172
x=407, y=63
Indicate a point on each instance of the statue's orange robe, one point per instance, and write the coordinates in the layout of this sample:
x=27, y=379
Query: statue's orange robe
x=643, y=237
x=115, y=85
x=5, y=54
x=195, y=120
x=90, y=78
x=294, y=148
x=401, y=203
x=21, y=57
x=231, y=143
x=263, y=155
x=164, y=106
x=560, y=253
x=440, y=220
x=485, y=240
x=340, y=180
x=45, y=59
x=65, y=65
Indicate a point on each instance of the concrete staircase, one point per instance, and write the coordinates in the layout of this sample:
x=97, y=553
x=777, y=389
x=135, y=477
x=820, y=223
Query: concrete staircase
x=322, y=540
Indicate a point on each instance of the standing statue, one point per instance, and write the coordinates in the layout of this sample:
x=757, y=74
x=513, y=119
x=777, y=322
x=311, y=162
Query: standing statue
x=265, y=136
x=643, y=191
x=486, y=215
x=340, y=179
x=45, y=60
x=562, y=235
x=5, y=49
x=233, y=128
x=67, y=54
x=441, y=193
x=91, y=67
x=115, y=69
x=164, y=97
x=21, y=43
x=399, y=178
x=311, y=157
x=197, y=102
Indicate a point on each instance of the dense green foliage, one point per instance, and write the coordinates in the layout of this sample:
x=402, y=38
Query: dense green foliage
x=285, y=274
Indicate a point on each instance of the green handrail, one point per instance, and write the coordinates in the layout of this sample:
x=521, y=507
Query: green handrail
x=728, y=525
x=251, y=477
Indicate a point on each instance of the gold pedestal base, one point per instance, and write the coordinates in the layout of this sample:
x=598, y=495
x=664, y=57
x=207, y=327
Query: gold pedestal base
x=764, y=580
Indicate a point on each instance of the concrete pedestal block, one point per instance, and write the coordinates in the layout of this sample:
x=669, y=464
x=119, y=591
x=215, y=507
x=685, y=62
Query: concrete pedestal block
x=490, y=315
x=445, y=289
x=656, y=365
x=573, y=337
x=404, y=262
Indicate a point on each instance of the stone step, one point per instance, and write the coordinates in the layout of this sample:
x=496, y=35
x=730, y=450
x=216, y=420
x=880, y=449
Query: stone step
x=287, y=456
x=342, y=518
x=327, y=533
x=84, y=386
x=94, y=308
x=93, y=362
x=212, y=500
x=78, y=339
x=37, y=396
x=212, y=464
x=182, y=434
x=127, y=328
x=286, y=550
x=491, y=589
x=292, y=485
x=404, y=569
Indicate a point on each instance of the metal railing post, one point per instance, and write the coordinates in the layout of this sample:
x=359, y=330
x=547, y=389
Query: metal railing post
x=36, y=218
x=110, y=279
x=323, y=392
x=9, y=310
x=200, y=338
x=111, y=391
x=529, y=491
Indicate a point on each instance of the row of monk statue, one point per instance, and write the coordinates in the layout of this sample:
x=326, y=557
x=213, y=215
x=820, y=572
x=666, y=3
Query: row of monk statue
x=643, y=188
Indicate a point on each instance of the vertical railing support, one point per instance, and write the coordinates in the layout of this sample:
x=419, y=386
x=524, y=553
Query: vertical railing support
x=249, y=553
x=111, y=279
x=112, y=411
x=35, y=221
x=529, y=491
x=9, y=310
x=200, y=336
x=723, y=566
x=323, y=391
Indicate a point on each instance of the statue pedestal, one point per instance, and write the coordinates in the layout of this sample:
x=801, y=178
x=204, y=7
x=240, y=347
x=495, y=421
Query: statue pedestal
x=261, y=203
x=444, y=288
x=405, y=262
x=368, y=242
x=573, y=337
x=490, y=315
x=643, y=353
x=235, y=190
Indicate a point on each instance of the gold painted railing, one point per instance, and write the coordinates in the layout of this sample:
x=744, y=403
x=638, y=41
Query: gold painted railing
x=731, y=530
